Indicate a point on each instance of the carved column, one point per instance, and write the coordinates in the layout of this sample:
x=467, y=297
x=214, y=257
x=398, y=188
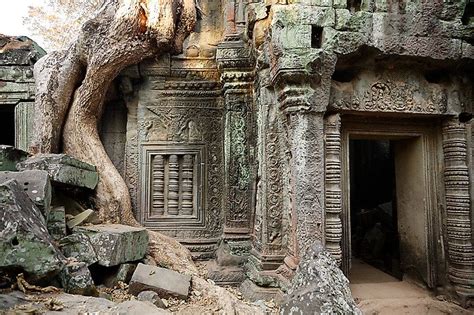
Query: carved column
x=458, y=209
x=305, y=130
x=333, y=207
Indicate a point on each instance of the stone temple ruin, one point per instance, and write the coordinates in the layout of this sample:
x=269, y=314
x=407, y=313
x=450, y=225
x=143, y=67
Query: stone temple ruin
x=285, y=123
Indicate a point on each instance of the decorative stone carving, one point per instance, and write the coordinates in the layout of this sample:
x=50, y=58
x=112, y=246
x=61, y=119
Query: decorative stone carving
x=458, y=209
x=187, y=186
x=175, y=151
x=158, y=184
x=333, y=204
x=236, y=65
x=393, y=92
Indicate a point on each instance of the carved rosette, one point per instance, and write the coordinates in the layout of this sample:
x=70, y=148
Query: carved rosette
x=458, y=208
x=333, y=204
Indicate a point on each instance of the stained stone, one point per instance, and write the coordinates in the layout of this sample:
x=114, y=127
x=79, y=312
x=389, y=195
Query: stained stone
x=10, y=156
x=56, y=222
x=63, y=169
x=165, y=282
x=36, y=184
x=115, y=244
x=24, y=239
x=319, y=287
x=76, y=279
x=78, y=245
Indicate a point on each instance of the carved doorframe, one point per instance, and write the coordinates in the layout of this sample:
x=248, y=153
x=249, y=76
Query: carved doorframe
x=337, y=215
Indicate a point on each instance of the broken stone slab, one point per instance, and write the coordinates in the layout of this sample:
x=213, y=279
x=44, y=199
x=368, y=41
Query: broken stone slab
x=56, y=223
x=78, y=246
x=76, y=279
x=10, y=156
x=319, y=286
x=35, y=183
x=115, y=244
x=167, y=283
x=24, y=239
x=63, y=169
x=152, y=297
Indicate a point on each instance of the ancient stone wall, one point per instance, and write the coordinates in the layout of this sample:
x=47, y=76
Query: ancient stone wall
x=17, y=56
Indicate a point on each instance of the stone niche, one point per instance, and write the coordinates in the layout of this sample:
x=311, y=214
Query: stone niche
x=174, y=150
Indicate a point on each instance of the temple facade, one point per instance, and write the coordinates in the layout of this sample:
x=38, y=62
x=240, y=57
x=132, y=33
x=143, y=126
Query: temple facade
x=285, y=122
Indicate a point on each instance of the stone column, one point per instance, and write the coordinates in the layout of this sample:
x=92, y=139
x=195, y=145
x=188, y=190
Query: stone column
x=458, y=209
x=305, y=132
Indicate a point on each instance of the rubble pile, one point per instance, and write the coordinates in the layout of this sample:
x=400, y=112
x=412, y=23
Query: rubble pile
x=49, y=238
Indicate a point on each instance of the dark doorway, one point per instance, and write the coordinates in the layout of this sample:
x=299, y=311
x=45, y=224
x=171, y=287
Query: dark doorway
x=373, y=214
x=7, y=123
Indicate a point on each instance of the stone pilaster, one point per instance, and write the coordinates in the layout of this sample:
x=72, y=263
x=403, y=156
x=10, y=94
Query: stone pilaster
x=24, y=115
x=305, y=130
x=458, y=209
x=237, y=75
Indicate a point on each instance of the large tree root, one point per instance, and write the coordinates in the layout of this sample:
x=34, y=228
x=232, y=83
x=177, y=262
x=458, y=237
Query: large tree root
x=71, y=87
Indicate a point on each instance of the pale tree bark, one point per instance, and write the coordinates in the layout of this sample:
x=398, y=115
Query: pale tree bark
x=72, y=85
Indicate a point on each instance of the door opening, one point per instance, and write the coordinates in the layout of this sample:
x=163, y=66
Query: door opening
x=7, y=121
x=373, y=205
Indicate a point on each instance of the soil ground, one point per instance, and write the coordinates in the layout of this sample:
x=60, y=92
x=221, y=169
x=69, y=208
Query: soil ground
x=379, y=293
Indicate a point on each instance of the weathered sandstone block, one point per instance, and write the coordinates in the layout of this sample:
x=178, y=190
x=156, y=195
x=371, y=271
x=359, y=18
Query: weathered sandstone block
x=116, y=244
x=24, y=239
x=63, y=169
x=165, y=282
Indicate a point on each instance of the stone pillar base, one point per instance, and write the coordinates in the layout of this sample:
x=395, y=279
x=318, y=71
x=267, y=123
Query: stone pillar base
x=253, y=292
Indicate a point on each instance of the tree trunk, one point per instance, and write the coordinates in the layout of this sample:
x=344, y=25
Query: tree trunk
x=72, y=84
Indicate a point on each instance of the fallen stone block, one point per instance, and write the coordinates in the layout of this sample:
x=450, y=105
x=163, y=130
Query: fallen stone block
x=319, y=287
x=165, y=282
x=63, y=169
x=24, y=239
x=76, y=279
x=10, y=156
x=78, y=246
x=56, y=223
x=152, y=297
x=35, y=183
x=115, y=244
